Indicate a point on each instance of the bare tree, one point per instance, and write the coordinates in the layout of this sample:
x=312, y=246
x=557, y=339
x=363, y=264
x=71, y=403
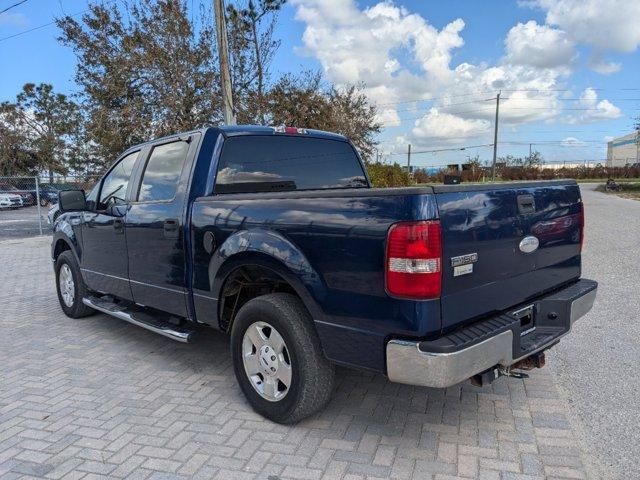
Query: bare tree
x=252, y=49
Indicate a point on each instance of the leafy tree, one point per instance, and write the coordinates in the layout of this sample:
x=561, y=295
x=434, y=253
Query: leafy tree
x=304, y=101
x=15, y=158
x=144, y=70
x=384, y=175
x=530, y=161
x=38, y=129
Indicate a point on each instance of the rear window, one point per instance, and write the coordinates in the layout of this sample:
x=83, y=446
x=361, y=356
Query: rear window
x=274, y=163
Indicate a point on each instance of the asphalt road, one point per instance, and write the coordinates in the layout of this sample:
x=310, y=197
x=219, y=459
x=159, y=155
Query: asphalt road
x=22, y=222
x=597, y=366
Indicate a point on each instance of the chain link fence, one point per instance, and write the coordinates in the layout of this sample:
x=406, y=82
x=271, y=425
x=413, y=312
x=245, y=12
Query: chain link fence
x=28, y=205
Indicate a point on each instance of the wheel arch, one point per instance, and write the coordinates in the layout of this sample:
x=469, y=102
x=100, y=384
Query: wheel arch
x=265, y=256
x=65, y=239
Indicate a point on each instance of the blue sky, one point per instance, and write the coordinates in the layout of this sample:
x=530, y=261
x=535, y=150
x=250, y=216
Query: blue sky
x=568, y=69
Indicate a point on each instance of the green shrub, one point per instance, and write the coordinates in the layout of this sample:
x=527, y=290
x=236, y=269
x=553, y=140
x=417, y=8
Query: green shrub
x=384, y=175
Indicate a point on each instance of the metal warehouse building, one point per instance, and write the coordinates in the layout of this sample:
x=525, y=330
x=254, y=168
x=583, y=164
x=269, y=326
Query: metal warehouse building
x=624, y=150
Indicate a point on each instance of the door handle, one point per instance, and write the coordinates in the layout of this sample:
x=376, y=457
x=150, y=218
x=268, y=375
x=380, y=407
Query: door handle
x=171, y=228
x=118, y=225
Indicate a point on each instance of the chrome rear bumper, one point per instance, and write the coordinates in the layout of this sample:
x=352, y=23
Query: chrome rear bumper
x=477, y=348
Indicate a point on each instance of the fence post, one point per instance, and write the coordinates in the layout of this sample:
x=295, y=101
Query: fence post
x=38, y=203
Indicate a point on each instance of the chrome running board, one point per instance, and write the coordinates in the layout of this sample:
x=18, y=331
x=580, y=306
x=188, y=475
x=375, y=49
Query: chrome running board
x=140, y=319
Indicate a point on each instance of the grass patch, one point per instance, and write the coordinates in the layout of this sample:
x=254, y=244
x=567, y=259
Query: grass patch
x=627, y=190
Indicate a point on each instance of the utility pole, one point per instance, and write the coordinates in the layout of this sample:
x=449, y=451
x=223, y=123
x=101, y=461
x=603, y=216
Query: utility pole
x=495, y=140
x=223, y=54
x=530, y=151
x=409, y=160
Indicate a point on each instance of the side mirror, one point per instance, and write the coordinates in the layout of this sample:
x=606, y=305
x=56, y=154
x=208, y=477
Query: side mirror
x=71, y=201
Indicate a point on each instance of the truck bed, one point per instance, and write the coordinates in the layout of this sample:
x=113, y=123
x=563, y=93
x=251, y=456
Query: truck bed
x=334, y=242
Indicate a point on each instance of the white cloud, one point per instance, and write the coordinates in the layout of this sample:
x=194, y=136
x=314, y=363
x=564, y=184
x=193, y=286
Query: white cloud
x=607, y=25
x=439, y=127
x=388, y=117
x=402, y=58
x=600, y=65
x=539, y=46
x=597, y=110
x=573, y=142
x=367, y=46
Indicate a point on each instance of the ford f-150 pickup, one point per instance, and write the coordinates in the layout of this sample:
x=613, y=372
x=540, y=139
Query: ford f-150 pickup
x=276, y=236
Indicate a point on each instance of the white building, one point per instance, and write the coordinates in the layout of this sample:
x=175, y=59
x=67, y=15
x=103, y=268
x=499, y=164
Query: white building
x=624, y=150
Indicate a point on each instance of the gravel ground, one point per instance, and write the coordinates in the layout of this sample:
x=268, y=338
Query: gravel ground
x=23, y=222
x=597, y=365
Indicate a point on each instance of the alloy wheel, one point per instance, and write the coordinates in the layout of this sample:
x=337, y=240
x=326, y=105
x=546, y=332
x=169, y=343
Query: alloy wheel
x=266, y=361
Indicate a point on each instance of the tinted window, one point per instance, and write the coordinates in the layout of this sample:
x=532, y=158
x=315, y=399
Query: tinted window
x=270, y=163
x=162, y=172
x=114, y=186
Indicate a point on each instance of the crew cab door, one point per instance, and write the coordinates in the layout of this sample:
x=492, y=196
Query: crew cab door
x=154, y=224
x=104, y=254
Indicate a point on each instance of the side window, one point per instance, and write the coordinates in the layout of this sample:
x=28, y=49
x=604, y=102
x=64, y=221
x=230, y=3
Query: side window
x=114, y=185
x=162, y=172
x=274, y=163
x=93, y=196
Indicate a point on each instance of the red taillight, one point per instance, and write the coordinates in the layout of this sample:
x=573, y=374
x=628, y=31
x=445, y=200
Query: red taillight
x=581, y=225
x=413, y=262
x=290, y=130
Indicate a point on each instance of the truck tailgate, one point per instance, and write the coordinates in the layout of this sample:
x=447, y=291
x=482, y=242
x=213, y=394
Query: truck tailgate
x=490, y=221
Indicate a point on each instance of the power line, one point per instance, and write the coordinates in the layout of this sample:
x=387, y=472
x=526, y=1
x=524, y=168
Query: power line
x=12, y=6
x=484, y=92
x=44, y=25
x=570, y=99
x=448, y=149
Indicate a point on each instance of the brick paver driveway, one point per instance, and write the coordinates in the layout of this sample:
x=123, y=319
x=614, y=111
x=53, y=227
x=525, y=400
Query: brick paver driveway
x=99, y=397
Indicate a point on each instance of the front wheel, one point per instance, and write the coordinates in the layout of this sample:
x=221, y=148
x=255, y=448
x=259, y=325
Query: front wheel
x=278, y=360
x=70, y=286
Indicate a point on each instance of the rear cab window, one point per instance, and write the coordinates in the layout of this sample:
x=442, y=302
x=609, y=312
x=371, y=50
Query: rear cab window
x=255, y=163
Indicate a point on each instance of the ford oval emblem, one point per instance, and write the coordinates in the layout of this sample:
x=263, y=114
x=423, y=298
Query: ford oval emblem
x=529, y=244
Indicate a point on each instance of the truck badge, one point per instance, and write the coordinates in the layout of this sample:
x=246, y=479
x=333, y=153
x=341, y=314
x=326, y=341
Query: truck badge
x=529, y=244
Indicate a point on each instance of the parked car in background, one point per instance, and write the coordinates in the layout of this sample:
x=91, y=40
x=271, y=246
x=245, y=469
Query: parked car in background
x=48, y=195
x=28, y=198
x=10, y=200
x=276, y=236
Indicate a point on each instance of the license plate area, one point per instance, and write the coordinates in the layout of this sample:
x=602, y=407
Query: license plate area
x=527, y=319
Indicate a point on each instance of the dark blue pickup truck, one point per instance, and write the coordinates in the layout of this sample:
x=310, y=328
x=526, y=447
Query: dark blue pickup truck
x=275, y=236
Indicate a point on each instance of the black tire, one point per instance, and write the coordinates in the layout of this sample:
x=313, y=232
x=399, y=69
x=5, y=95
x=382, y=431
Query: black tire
x=43, y=202
x=312, y=374
x=76, y=309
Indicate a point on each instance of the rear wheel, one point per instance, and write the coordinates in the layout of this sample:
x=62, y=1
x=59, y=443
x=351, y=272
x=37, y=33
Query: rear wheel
x=70, y=286
x=278, y=360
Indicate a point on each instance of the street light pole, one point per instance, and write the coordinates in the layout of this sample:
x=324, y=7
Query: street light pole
x=495, y=140
x=223, y=54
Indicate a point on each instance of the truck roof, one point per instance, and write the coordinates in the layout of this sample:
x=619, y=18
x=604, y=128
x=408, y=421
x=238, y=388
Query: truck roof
x=235, y=130
x=232, y=130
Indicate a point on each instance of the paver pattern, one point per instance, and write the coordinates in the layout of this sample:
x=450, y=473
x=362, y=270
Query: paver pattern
x=99, y=398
